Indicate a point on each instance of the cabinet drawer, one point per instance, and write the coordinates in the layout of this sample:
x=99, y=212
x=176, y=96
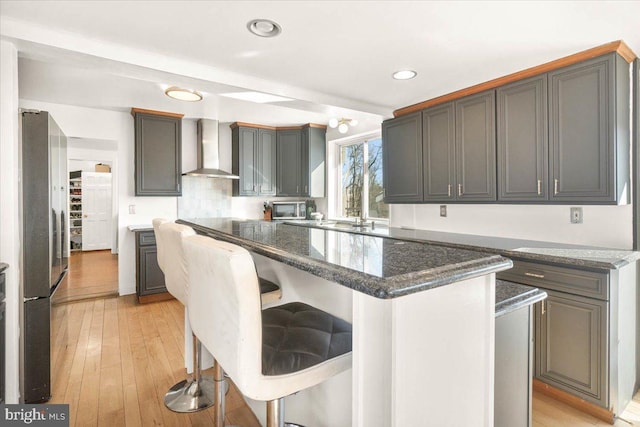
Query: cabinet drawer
x=579, y=282
x=146, y=238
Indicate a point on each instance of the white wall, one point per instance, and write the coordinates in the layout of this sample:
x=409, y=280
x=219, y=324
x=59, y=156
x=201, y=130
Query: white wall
x=607, y=226
x=80, y=122
x=10, y=212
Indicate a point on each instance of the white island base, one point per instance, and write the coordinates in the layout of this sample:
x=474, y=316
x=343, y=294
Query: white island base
x=425, y=359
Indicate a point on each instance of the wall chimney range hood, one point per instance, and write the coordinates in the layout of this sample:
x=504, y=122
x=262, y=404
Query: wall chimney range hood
x=208, y=147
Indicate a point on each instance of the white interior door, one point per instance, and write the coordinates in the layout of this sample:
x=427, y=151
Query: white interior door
x=96, y=211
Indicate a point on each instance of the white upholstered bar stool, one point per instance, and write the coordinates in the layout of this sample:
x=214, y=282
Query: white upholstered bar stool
x=270, y=353
x=195, y=394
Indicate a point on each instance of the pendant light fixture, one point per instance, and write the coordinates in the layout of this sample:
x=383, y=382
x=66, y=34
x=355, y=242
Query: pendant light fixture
x=342, y=124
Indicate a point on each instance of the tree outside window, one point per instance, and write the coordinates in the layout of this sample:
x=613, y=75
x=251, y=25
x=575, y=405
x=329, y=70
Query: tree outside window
x=361, y=187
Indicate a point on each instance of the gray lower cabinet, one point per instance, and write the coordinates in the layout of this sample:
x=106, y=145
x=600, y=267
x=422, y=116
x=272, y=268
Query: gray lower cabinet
x=522, y=140
x=149, y=276
x=290, y=170
x=585, y=331
x=439, y=153
x=589, y=130
x=402, y=159
x=158, y=153
x=571, y=345
x=476, y=148
x=254, y=160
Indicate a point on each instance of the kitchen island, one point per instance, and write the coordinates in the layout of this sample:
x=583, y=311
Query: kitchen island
x=423, y=322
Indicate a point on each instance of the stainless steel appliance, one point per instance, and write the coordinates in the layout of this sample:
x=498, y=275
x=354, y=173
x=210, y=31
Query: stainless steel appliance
x=289, y=210
x=45, y=248
x=207, y=147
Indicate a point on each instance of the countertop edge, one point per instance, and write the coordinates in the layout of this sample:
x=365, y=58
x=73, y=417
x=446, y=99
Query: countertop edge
x=371, y=285
x=504, y=308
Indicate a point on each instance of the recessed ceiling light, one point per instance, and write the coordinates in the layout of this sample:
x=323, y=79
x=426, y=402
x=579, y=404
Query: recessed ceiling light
x=264, y=27
x=183, y=94
x=259, y=97
x=404, y=74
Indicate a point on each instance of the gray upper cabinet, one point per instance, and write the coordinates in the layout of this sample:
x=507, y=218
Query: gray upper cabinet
x=254, y=160
x=438, y=151
x=158, y=151
x=522, y=140
x=571, y=345
x=476, y=147
x=289, y=153
x=266, y=173
x=402, y=158
x=314, y=153
x=589, y=130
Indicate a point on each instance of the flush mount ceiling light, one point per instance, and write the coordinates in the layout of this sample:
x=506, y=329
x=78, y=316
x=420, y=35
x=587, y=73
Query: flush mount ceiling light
x=264, y=27
x=342, y=124
x=259, y=97
x=183, y=94
x=404, y=74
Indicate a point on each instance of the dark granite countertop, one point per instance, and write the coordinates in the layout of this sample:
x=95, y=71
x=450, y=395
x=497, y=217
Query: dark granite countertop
x=3, y=266
x=378, y=266
x=527, y=250
x=512, y=296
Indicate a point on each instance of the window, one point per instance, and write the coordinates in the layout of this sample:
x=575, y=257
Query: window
x=360, y=191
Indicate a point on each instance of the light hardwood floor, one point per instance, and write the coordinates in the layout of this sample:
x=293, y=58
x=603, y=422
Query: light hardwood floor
x=91, y=274
x=113, y=360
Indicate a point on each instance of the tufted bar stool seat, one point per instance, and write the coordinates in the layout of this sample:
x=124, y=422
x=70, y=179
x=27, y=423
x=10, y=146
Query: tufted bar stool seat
x=296, y=336
x=270, y=353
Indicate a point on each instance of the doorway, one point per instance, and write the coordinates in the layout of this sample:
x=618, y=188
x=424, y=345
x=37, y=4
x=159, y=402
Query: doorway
x=93, y=259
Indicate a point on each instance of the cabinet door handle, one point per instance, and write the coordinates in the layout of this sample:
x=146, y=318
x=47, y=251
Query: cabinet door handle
x=459, y=189
x=555, y=186
x=449, y=190
x=543, y=308
x=297, y=188
x=306, y=188
x=539, y=187
x=536, y=275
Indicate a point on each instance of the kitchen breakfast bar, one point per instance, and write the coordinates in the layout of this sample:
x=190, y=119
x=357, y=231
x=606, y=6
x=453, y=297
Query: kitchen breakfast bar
x=423, y=320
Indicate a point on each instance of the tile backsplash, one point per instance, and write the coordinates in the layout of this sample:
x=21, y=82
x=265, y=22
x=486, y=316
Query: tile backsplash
x=204, y=197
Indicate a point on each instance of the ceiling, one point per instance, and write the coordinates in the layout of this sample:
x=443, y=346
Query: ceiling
x=334, y=58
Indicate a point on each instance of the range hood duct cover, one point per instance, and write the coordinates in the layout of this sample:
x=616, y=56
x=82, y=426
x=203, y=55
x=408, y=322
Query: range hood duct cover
x=207, y=147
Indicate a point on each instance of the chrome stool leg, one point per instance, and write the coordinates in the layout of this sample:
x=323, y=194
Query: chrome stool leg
x=221, y=388
x=192, y=395
x=275, y=414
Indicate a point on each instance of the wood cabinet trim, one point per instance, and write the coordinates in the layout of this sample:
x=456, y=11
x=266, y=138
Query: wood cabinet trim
x=250, y=125
x=276, y=128
x=619, y=46
x=135, y=111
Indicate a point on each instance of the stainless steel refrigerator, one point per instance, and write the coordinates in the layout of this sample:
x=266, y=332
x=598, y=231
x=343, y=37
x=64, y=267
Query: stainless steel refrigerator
x=45, y=250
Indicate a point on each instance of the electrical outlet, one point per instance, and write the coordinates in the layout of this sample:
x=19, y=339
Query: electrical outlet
x=576, y=215
x=132, y=209
x=443, y=210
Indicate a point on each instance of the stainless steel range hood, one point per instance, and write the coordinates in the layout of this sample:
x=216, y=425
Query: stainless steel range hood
x=208, y=147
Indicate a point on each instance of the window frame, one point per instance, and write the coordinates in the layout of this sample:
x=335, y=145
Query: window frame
x=335, y=188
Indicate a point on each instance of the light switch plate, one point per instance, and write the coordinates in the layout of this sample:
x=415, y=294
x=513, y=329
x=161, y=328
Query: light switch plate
x=443, y=210
x=576, y=215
